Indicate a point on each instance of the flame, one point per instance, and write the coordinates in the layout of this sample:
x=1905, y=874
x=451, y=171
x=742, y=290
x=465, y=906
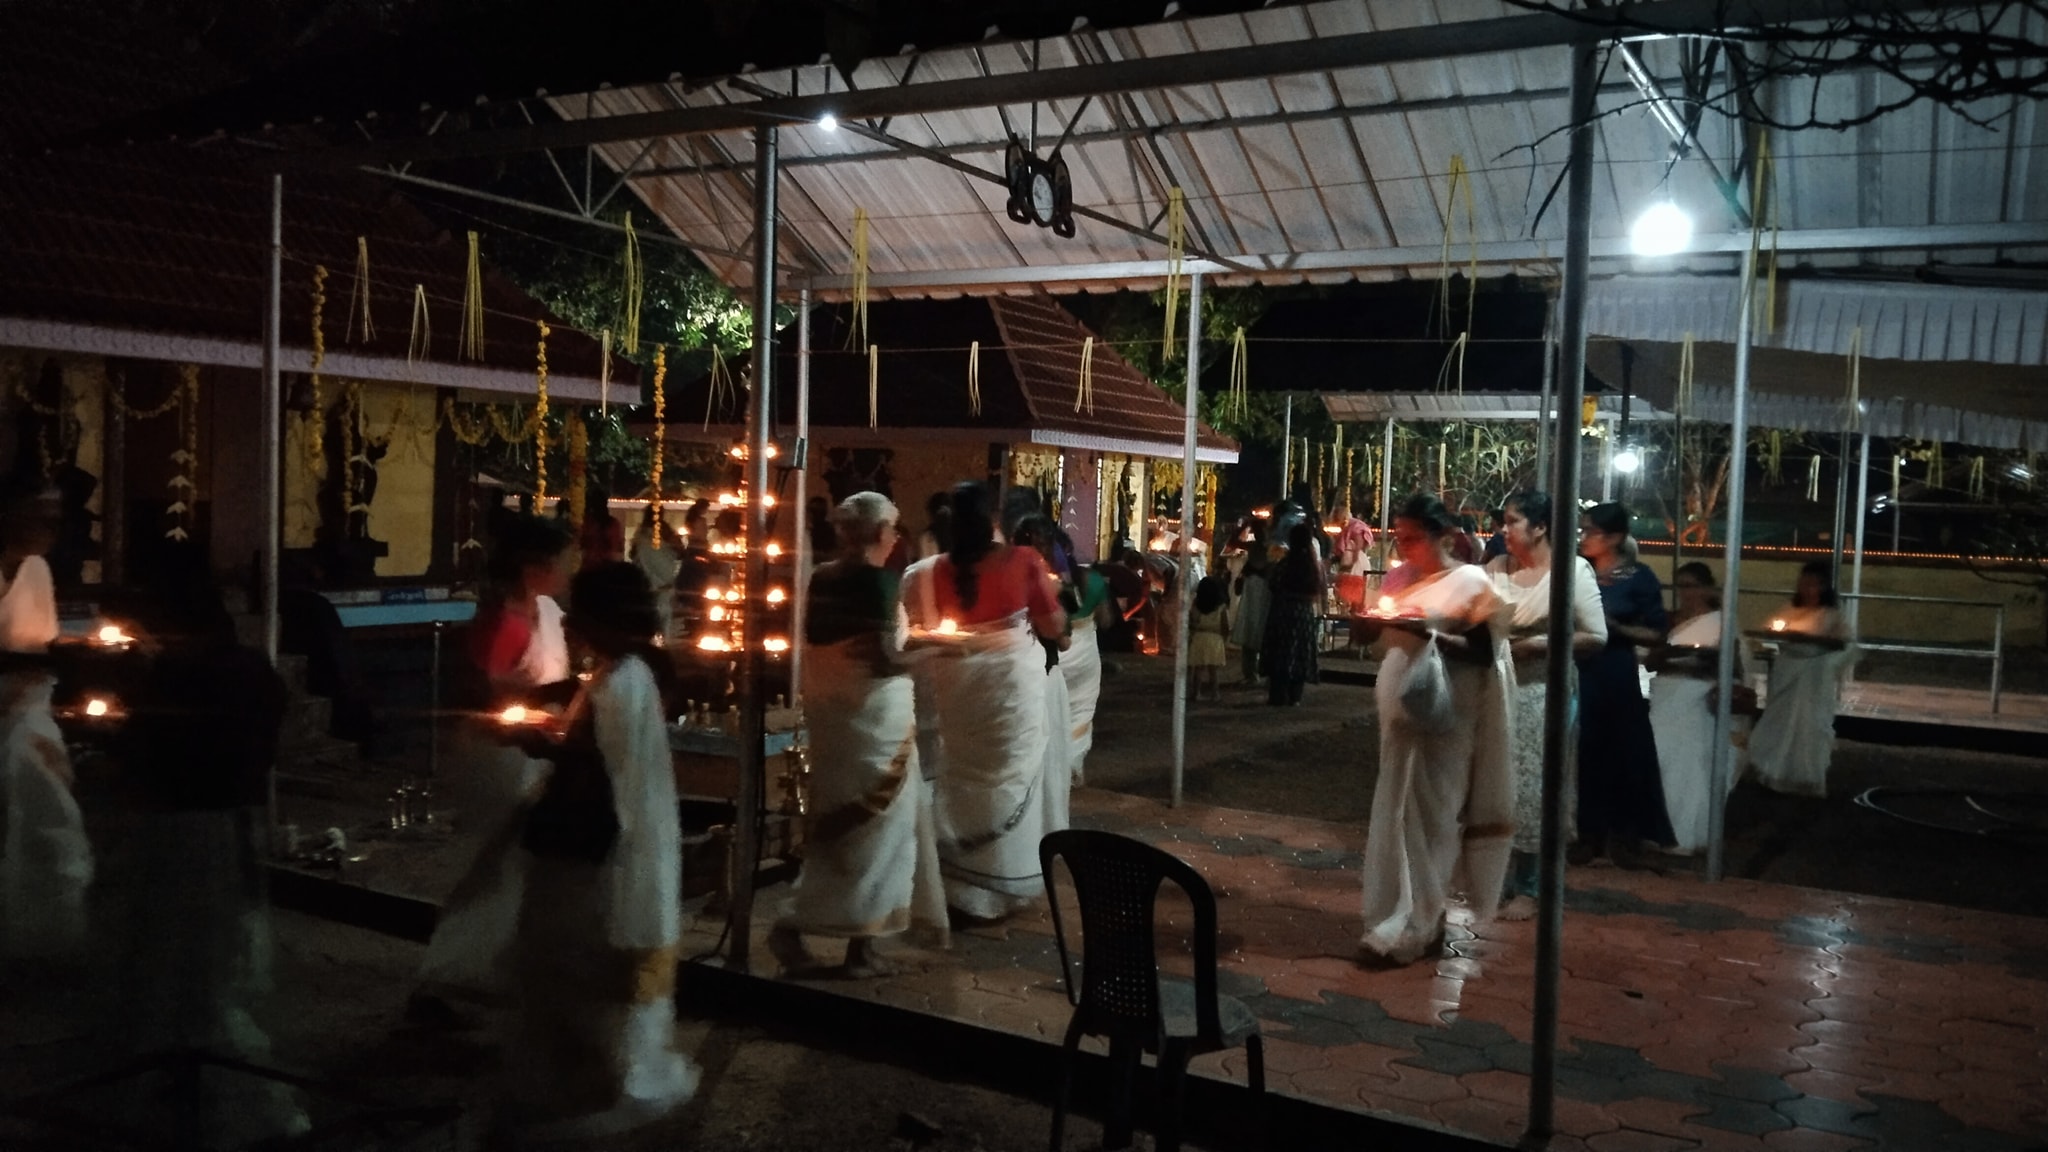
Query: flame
x=96, y=707
x=715, y=644
x=712, y=594
x=516, y=714
x=949, y=625
x=777, y=595
x=776, y=644
x=1777, y=625
x=774, y=549
x=717, y=612
x=112, y=634
x=739, y=452
x=732, y=595
x=1387, y=605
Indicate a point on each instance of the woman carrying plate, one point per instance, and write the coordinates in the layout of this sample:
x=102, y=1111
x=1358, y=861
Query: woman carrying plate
x=1682, y=705
x=1795, y=738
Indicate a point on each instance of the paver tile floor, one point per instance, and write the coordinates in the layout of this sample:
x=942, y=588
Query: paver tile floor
x=1737, y=1015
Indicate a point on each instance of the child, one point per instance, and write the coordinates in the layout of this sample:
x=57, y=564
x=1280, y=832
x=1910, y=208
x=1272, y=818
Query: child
x=1209, y=632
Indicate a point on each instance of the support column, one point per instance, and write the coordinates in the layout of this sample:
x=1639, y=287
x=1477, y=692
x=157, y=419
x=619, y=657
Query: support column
x=1186, y=547
x=800, y=454
x=1387, y=486
x=272, y=415
x=1549, y=383
x=1862, y=526
x=1846, y=441
x=1287, y=449
x=753, y=714
x=1564, y=523
x=114, y=479
x=1731, y=580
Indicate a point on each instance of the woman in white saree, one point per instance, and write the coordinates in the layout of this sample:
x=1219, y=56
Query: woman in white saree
x=46, y=863
x=601, y=917
x=1522, y=577
x=989, y=678
x=1442, y=813
x=1682, y=705
x=861, y=847
x=1795, y=738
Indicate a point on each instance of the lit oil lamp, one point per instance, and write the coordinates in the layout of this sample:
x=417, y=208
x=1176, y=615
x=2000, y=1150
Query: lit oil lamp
x=777, y=595
x=1386, y=606
x=1777, y=625
x=948, y=625
x=520, y=716
x=732, y=595
x=112, y=636
x=773, y=548
x=714, y=644
x=776, y=644
x=717, y=613
x=99, y=708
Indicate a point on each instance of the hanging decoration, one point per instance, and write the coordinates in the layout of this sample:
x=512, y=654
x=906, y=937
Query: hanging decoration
x=354, y=450
x=1084, y=389
x=1976, y=481
x=57, y=442
x=184, y=481
x=316, y=420
x=974, y=377
x=860, y=277
x=419, y=344
x=1316, y=484
x=721, y=388
x=660, y=445
x=1460, y=182
x=1237, y=401
x=1813, y=477
x=1683, y=407
x=471, y=431
x=578, y=434
x=1176, y=255
x=1760, y=210
x=1774, y=457
x=470, y=341
x=634, y=291
x=1350, y=477
x=874, y=386
x=540, y=418
x=1856, y=378
x=359, y=298
x=604, y=371
x=1937, y=469
x=1898, y=463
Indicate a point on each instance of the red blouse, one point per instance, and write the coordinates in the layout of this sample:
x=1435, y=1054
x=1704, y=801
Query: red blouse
x=1007, y=580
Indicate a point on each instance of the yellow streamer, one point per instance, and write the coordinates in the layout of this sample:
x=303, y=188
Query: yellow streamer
x=1760, y=209
x=1774, y=457
x=1237, y=404
x=874, y=385
x=420, y=344
x=578, y=434
x=1813, y=477
x=359, y=297
x=860, y=276
x=721, y=384
x=636, y=288
x=540, y=413
x=1084, y=389
x=1176, y=254
x=470, y=341
x=974, y=377
x=1976, y=477
x=660, y=445
x=604, y=371
x=1856, y=379
x=1460, y=180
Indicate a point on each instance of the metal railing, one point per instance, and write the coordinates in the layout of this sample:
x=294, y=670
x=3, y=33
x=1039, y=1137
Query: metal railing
x=1995, y=653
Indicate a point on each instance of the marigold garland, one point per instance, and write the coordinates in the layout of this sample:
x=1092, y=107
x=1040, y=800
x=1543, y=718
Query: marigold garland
x=540, y=417
x=472, y=431
x=578, y=434
x=660, y=427
x=316, y=421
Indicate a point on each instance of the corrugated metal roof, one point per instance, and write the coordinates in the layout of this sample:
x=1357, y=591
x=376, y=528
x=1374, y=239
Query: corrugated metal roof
x=1367, y=407
x=1298, y=169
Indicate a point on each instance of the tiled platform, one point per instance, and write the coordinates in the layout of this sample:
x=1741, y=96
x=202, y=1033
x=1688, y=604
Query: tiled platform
x=1730, y=1016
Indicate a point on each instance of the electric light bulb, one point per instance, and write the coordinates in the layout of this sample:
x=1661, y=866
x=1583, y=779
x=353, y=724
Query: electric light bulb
x=1627, y=461
x=1662, y=230
x=829, y=122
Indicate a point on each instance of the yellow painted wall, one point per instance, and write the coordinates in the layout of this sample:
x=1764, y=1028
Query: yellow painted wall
x=402, y=510
x=1915, y=623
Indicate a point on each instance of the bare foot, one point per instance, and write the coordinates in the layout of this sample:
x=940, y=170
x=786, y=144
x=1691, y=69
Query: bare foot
x=788, y=948
x=1519, y=908
x=863, y=962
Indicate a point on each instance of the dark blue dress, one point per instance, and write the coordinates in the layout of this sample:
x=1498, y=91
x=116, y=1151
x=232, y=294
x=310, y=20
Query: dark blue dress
x=1621, y=792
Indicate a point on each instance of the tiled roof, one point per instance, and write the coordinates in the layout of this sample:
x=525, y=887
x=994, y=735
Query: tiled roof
x=175, y=239
x=1030, y=362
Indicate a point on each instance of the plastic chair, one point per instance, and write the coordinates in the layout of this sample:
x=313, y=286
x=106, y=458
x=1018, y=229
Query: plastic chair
x=1120, y=994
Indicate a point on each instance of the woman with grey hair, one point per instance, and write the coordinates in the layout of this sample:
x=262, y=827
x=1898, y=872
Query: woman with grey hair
x=862, y=858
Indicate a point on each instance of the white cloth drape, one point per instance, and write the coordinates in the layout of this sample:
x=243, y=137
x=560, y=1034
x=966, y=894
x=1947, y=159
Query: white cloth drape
x=1527, y=594
x=46, y=862
x=1081, y=665
x=1682, y=717
x=1794, y=739
x=1443, y=808
x=991, y=692
x=1059, y=744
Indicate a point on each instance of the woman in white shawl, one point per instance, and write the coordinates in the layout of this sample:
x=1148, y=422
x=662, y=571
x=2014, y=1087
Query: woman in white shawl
x=1682, y=705
x=989, y=678
x=861, y=844
x=601, y=917
x=1442, y=813
x=45, y=861
x=1522, y=577
x=517, y=654
x=1041, y=534
x=1795, y=738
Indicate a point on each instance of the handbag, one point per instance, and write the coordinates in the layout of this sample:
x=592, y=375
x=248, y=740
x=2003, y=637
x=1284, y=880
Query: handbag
x=1426, y=690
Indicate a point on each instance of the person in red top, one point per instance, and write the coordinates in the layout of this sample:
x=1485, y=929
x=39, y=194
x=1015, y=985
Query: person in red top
x=988, y=675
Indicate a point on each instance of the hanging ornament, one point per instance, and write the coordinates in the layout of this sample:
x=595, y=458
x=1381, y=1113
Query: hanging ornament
x=1976, y=481
x=974, y=378
x=660, y=445
x=1237, y=403
x=1856, y=378
x=469, y=343
x=1460, y=181
x=359, y=298
x=1589, y=412
x=635, y=289
x=1084, y=388
x=860, y=276
x=354, y=453
x=1761, y=210
x=1683, y=407
x=578, y=434
x=1813, y=477
x=540, y=416
x=419, y=344
x=316, y=420
x=184, y=481
x=1937, y=469
x=1176, y=254
x=604, y=371
x=721, y=388
x=874, y=386
x=1774, y=457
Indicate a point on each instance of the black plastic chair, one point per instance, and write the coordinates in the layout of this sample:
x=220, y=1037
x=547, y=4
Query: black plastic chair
x=1121, y=995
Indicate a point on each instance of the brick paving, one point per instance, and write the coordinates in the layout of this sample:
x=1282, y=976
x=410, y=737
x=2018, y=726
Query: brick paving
x=1738, y=1015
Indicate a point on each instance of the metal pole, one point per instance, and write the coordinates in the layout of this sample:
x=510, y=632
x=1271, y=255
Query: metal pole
x=1898, y=509
x=1678, y=505
x=753, y=716
x=434, y=707
x=1862, y=525
x=800, y=460
x=1549, y=383
x=273, y=421
x=1731, y=581
x=1997, y=659
x=1287, y=449
x=1841, y=501
x=1187, y=533
x=1564, y=524
x=1387, y=483
x=1607, y=465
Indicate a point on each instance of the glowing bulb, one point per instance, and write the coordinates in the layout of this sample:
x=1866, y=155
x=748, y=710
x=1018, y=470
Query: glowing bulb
x=948, y=625
x=777, y=595
x=1627, y=461
x=96, y=707
x=768, y=501
x=775, y=644
x=1395, y=563
x=738, y=453
x=773, y=452
x=1662, y=230
x=829, y=122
